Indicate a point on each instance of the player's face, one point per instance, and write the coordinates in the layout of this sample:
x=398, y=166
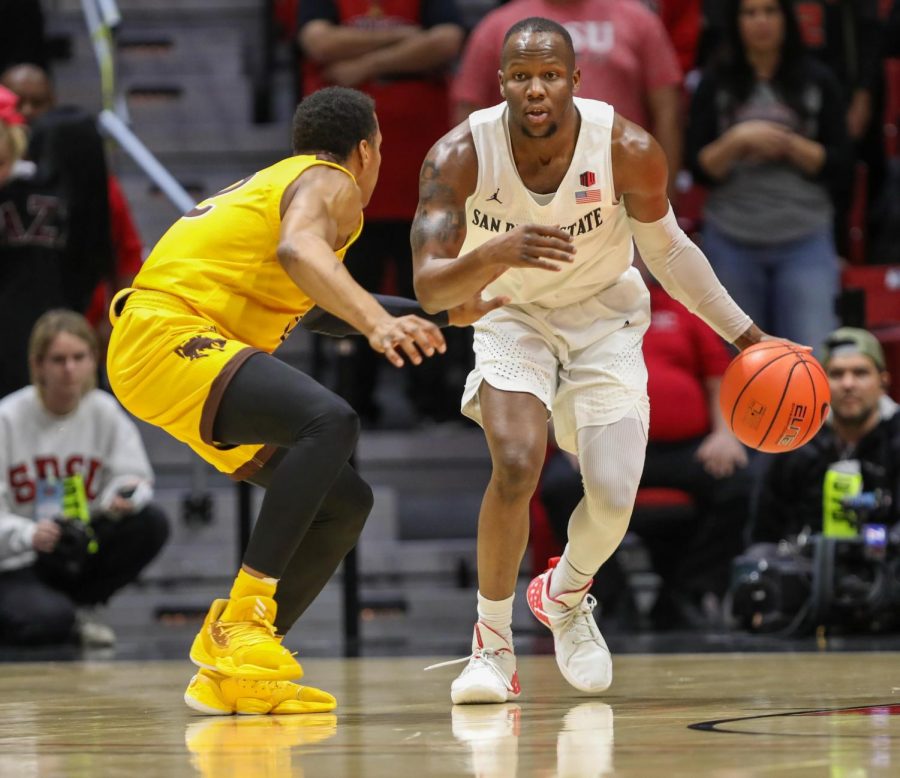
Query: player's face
x=856, y=387
x=761, y=25
x=537, y=80
x=371, y=164
x=66, y=370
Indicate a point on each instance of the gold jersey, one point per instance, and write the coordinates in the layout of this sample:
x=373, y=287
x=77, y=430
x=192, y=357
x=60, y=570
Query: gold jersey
x=220, y=258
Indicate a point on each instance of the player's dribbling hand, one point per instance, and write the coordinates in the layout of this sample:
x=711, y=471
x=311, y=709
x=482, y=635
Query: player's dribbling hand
x=407, y=335
x=533, y=245
x=755, y=335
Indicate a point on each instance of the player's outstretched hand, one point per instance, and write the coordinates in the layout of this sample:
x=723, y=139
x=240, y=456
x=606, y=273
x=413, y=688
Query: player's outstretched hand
x=407, y=335
x=533, y=245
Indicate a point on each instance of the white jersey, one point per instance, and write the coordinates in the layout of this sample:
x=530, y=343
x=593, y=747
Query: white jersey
x=584, y=204
x=97, y=440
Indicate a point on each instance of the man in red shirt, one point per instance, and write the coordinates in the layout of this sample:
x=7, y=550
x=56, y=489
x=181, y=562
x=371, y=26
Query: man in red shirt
x=622, y=48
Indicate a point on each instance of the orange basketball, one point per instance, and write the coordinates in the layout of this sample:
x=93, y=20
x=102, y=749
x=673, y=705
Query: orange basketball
x=774, y=396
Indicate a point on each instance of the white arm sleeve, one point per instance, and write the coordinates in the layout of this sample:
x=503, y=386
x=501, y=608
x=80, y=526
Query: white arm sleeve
x=685, y=273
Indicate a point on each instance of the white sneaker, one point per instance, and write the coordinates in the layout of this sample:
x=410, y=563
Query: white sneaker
x=581, y=652
x=490, y=675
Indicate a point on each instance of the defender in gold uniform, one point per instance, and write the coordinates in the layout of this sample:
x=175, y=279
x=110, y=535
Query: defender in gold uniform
x=211, y=294
x=190, y=353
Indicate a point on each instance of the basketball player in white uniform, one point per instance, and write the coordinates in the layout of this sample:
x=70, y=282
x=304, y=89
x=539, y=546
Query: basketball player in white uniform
x=537, y=200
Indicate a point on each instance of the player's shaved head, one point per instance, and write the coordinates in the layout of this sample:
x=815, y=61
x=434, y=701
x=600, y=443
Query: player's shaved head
x=527, y=34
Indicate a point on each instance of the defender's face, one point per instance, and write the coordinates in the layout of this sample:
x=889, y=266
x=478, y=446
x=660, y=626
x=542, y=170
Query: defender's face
x=856, y=387
x=538, y=79
x=371, y=164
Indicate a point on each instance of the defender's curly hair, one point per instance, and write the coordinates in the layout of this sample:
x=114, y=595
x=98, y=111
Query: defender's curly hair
x=333, y=120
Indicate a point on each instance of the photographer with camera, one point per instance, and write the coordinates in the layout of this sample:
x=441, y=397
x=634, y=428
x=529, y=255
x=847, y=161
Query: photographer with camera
x=825, y=529
x=76, y=521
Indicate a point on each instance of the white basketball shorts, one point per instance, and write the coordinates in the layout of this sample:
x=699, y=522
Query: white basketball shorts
x=583, y=361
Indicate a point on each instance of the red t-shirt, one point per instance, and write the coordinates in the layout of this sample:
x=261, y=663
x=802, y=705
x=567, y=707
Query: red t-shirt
x=681, y=351
x=622, y=48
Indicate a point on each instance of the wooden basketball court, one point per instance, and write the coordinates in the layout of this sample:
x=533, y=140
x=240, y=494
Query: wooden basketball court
x=835, y=715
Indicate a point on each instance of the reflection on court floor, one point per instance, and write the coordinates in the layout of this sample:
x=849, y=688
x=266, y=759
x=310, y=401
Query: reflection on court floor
x=834, y=715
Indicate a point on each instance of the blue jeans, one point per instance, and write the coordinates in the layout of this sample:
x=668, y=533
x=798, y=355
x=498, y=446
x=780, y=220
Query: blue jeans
x=788, y=289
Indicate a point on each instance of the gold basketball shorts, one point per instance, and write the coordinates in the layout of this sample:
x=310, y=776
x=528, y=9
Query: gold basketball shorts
x=169, y=366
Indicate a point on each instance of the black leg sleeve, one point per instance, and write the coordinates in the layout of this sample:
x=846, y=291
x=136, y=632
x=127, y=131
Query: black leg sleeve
x=334, y=531
x=270, y=402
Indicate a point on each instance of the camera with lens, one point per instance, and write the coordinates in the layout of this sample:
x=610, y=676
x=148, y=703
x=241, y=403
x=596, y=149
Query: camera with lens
x=73, y=549
x=77, y=541
x=846, y=578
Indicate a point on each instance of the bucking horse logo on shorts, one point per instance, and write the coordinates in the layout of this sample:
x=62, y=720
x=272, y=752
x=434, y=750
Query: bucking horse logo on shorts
x=198, y=346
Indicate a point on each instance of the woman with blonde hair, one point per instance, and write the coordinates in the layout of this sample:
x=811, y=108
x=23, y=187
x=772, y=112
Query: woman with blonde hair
x=63, y=435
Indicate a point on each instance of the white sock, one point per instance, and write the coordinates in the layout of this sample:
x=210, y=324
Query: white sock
x=497, y=614
x=566, y=577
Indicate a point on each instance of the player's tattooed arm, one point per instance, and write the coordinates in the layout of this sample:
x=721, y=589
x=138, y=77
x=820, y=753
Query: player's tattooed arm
x=449, y=174
x=439, y=227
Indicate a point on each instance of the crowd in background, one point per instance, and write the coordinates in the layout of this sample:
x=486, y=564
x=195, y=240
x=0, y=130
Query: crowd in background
x=771, y=113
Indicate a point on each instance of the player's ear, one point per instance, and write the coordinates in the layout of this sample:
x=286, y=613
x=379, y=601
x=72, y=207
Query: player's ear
x=364, y=149
x=500, y=79
x=576, y=79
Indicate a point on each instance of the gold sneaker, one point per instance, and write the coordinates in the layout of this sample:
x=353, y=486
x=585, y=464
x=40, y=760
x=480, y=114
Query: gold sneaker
x=221, y=695
x=246, y=644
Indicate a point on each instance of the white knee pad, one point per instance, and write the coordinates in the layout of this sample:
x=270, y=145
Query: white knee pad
x=612, y=460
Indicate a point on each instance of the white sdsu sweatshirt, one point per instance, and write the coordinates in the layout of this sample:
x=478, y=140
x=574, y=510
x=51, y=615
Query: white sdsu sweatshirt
x=97, y=440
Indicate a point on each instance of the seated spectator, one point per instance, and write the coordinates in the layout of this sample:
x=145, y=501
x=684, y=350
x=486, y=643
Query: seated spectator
x=863, y=428
x=690, y=449
x=56, y=428
x=768, y=136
